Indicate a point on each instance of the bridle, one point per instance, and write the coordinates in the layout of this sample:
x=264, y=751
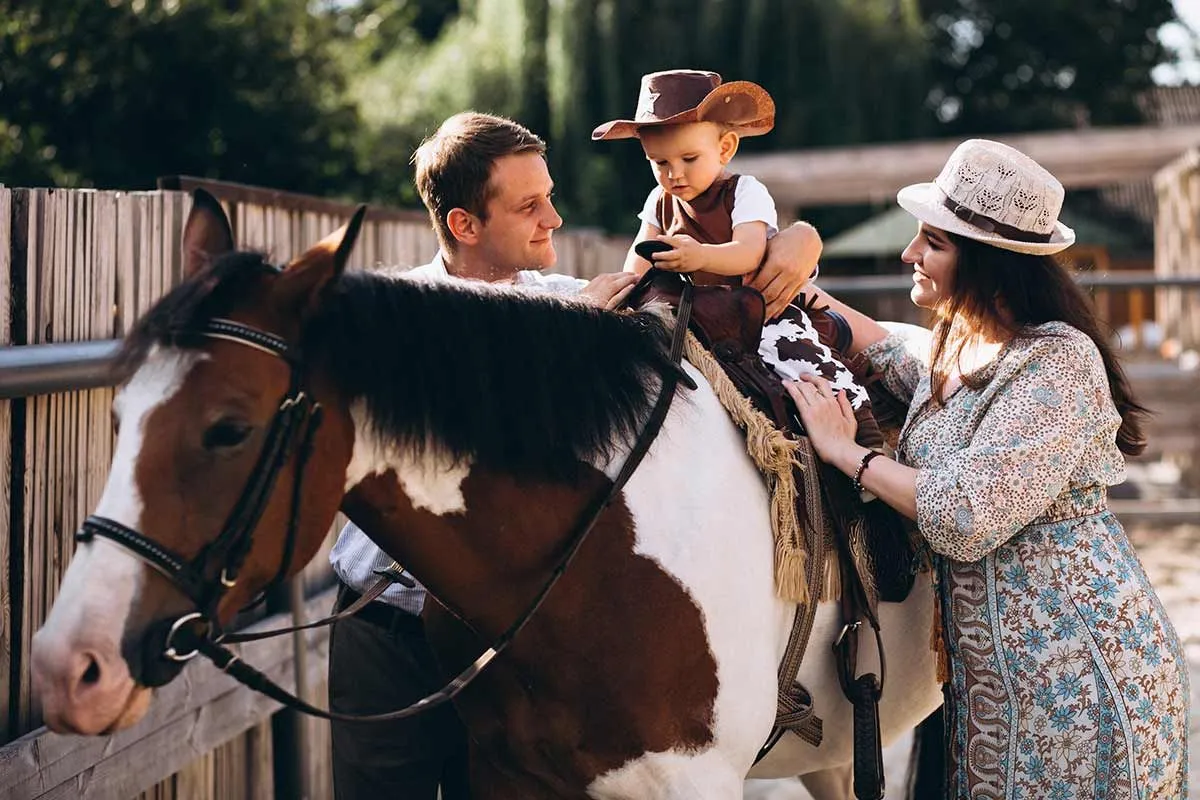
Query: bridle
x=207, y=577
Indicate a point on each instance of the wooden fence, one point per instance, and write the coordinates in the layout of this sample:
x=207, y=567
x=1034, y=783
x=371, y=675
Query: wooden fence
x=83, y=265
x=1177, y=245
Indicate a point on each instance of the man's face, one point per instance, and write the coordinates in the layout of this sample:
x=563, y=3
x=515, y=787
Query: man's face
x=521, y=219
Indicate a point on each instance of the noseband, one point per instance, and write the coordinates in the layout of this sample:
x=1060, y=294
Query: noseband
x=214, y=570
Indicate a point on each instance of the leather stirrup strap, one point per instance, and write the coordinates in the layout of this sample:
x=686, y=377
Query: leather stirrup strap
x=863, y=691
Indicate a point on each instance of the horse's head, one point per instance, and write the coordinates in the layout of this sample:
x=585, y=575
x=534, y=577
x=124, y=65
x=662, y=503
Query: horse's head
x=226, y=475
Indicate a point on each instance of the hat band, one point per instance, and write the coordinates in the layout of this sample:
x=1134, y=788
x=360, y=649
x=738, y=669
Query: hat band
x=986, y=223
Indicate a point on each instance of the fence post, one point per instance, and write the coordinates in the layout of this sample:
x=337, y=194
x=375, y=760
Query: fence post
x=1177, y=244
x=13, y=288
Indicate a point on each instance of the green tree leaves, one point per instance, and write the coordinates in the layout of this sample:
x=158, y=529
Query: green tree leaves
x=332, y=96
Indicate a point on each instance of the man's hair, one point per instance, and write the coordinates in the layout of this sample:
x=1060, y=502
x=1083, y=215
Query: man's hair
x=454, y=165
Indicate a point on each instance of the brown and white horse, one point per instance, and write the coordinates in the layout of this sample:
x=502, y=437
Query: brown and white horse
x=465, y=429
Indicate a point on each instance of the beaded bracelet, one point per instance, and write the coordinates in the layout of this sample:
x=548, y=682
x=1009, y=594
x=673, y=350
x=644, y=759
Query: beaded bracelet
x=862, y=467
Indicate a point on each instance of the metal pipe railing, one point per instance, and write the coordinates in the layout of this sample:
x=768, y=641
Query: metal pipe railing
x=36, y=369
x=1126, y=279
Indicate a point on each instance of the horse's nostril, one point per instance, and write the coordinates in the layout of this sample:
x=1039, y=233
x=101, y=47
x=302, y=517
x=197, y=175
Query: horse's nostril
x=91, y=675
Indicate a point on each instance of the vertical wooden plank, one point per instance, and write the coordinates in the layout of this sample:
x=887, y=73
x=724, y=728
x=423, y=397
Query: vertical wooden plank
x=35, y=455
x=7, y=575
x=72, y=298
x=125, y=272
x=145, y=269
x=260, y=771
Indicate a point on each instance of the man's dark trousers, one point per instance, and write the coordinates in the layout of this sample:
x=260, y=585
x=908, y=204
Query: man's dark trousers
x=379, y=661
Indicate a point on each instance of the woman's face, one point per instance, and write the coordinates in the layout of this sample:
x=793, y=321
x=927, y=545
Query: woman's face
x=934, y=258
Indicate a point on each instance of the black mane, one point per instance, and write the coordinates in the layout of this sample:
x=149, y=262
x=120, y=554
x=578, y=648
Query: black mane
x=211, y=292
x=513, y=380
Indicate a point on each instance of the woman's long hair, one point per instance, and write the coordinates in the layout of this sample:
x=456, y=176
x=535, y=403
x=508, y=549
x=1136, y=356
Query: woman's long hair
x=1032, y=290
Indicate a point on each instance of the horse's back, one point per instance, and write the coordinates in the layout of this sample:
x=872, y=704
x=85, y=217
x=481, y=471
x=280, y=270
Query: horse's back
x=701, y=511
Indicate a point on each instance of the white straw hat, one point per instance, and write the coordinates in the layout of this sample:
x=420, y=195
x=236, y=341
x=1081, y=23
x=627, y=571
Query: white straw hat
x=995, y=194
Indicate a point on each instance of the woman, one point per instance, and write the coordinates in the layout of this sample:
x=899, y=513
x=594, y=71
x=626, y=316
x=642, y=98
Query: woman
x=1066, y=678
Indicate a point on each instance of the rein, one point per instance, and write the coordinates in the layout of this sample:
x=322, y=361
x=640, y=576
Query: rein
x=198, y=631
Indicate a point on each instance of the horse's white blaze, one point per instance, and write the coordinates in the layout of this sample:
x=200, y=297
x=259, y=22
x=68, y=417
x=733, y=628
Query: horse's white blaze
x=432, y=481
x=103, y=579
x=708, y=527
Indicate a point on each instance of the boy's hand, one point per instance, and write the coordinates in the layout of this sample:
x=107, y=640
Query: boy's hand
x=687, y=254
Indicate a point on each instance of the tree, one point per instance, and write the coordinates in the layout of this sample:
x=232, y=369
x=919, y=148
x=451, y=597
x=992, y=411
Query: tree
x=115, y=94
x=1015, y=65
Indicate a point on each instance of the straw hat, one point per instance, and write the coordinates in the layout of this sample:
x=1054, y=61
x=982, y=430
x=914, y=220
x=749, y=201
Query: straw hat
x=995, y=194
x=678, y=96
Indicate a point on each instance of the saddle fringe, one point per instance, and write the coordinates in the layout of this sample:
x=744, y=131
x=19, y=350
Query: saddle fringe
x=778, y=458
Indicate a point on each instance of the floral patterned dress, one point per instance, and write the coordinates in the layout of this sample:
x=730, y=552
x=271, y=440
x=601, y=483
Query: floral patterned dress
x=1067, y=679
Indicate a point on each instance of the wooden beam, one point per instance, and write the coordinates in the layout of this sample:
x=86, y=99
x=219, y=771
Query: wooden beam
x=195, y=713
x=1081, y=159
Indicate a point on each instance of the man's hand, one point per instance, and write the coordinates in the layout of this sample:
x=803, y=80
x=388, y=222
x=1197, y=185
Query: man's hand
x=791, y=259
x=687, y=254
x=609, y=290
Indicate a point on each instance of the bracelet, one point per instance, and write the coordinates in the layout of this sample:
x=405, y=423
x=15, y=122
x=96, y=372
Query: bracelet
x=862, y=467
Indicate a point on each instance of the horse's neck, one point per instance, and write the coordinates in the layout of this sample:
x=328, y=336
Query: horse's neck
x=482, y=542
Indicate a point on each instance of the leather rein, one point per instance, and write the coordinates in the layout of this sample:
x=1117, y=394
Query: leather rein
x=206, y=578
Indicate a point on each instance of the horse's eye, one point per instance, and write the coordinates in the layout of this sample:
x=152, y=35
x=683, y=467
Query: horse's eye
x=225, y=433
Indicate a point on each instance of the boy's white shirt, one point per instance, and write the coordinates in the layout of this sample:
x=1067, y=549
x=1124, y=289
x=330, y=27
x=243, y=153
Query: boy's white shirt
x=751, y=203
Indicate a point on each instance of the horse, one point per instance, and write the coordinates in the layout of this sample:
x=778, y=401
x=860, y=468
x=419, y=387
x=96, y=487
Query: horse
x=464, y=428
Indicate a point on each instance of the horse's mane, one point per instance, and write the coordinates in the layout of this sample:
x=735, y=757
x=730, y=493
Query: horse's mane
x=514, y=380
x=209, y=293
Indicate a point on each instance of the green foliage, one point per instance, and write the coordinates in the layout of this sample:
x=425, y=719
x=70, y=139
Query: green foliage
x=332, y=96
x=1014, y=65
x=116, y=93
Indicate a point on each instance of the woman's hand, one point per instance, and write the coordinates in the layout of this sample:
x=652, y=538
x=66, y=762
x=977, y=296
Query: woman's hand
x=828, y=420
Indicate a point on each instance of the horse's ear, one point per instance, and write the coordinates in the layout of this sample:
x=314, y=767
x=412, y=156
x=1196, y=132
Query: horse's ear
x=308, y=274
x=206, y=234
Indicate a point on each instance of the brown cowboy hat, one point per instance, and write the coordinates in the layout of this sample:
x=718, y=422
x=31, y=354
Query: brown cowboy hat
x=688, y=95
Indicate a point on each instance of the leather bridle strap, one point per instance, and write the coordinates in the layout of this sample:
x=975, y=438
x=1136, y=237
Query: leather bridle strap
x=206, y=578
x=231, y=663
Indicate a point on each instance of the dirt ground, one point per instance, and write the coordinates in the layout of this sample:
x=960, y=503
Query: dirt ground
x=1171, y=556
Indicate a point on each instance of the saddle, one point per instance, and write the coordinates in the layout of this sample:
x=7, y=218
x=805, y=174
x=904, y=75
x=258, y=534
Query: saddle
x=728, y=321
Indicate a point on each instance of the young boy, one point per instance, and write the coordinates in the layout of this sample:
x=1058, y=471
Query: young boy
x=718, y=224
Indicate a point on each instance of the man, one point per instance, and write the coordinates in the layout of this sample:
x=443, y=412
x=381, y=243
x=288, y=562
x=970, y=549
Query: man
x=485, y=182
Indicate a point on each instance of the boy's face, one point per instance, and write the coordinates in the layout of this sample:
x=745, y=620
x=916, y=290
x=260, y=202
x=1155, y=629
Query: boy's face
x=687, y=158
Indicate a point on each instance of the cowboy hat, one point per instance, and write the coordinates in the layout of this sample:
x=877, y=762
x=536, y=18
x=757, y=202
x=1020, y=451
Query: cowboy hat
x=994, y=194
x=679, y=96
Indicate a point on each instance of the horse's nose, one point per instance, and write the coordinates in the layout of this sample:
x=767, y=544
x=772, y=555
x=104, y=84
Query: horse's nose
x=82, y=690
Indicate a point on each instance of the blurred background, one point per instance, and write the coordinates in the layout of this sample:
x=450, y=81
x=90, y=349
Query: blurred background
x=330, y=97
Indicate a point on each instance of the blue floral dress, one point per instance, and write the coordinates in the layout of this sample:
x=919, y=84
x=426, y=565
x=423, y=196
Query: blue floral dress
x=1067, y=679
